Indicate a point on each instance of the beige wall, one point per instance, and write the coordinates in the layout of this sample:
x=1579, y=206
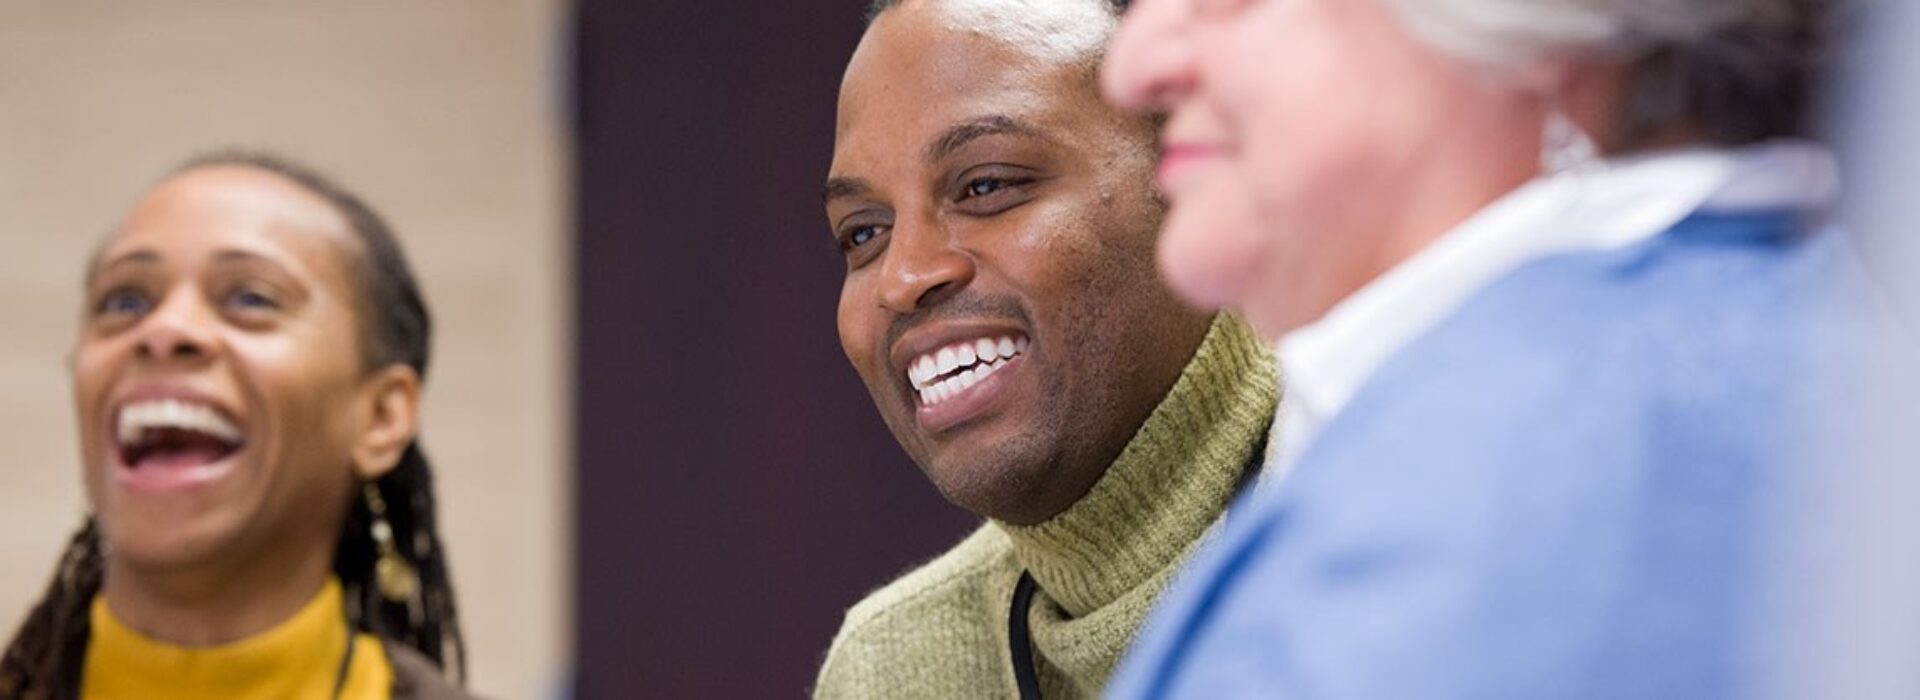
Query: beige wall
x=444, y=114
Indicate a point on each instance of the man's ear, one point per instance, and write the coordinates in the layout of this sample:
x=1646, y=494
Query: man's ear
x=390, y=419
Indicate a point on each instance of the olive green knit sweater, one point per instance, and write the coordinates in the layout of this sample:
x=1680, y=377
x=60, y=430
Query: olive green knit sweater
x=940, y=631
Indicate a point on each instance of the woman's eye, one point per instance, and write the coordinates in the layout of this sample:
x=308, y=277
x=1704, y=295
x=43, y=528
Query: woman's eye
x=123, y=302
x=1217, y=8
x=248, y=299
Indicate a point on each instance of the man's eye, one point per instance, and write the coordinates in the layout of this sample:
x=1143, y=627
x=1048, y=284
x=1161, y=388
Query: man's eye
x=861, y=235
x=123, y=302
x=985, y=186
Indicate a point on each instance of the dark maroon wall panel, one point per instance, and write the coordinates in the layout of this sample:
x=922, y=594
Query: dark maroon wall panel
x=737, y=489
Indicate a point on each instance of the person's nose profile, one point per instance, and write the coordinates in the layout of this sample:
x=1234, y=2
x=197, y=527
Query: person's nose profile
x=921, y=267
x=1149, y=63
x=176, y=331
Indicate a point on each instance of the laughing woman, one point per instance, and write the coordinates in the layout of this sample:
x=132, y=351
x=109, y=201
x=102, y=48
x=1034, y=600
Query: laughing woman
x=248, y=378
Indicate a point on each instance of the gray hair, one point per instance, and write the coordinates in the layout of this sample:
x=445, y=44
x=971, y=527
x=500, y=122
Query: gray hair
x=875, y=8
x=1738, y=71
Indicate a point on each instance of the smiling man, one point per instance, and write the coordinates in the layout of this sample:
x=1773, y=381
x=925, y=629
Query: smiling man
x=998, y=223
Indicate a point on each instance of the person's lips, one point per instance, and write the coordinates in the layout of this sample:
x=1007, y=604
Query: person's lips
x=955, y=372
x=169, y=440
x=1179, y=161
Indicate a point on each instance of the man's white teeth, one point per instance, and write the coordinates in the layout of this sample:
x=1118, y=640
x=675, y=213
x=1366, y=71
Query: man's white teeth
x=137, y=418
x=942, y=374
x=923, y=371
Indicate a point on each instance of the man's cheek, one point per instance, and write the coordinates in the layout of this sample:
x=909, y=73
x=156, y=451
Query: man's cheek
x=854, y=343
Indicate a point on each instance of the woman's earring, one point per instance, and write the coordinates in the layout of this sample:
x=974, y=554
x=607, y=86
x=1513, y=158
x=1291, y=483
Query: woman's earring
x=397, y=580
x=1564, y=146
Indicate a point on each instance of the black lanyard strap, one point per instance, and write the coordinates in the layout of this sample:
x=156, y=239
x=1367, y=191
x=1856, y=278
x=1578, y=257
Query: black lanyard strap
x=1020, y=639
x=346, y=664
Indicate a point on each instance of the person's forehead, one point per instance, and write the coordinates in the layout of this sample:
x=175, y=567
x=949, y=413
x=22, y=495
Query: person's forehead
x=220, y=207
x=1055, y=31
x=928, y=65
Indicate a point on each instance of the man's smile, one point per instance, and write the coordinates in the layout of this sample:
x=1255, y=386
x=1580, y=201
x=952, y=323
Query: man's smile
x=952, y=370
x=955, y=370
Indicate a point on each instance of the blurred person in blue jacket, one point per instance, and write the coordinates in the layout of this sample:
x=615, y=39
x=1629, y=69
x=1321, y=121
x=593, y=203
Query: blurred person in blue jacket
x=1560, y=304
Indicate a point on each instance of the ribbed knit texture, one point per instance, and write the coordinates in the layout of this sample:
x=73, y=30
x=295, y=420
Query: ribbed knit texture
x=298, y=659
x=941, y=630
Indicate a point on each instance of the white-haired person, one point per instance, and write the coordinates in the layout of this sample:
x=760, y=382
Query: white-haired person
x=1559, y=304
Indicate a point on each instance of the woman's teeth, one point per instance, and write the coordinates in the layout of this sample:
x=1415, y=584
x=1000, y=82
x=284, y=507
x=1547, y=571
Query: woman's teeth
x=139, y=420
x=941, y=374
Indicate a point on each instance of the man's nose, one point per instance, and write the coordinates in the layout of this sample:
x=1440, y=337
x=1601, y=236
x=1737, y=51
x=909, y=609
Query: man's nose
x=921, y=267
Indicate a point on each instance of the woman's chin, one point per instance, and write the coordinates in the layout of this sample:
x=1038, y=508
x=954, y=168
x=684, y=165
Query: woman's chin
x=1202, y=267
x=167, y=542
x=1273, y=318
x=1213, y=243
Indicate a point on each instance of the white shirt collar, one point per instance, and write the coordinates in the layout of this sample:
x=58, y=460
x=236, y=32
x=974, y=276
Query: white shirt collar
x=1613, y=204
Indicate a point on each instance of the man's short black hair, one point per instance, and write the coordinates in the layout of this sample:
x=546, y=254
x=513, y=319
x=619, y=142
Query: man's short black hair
x=879, y=6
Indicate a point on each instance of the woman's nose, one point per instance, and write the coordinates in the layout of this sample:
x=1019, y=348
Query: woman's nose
x=180, y=330
x=1149, y=64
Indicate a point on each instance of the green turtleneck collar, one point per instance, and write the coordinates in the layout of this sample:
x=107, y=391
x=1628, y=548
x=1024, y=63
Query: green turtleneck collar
x=1170, y=483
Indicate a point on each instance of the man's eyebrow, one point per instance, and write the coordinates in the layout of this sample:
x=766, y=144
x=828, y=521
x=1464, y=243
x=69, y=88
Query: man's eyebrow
x=839, y=187
x=965, y=132
x=951, y=140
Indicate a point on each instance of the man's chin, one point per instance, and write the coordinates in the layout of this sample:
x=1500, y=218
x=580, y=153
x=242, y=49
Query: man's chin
x=995, y=501
x=997, y=490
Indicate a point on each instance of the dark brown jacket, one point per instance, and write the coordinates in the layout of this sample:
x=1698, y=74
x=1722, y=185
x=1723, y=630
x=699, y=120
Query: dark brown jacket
x=416, y=678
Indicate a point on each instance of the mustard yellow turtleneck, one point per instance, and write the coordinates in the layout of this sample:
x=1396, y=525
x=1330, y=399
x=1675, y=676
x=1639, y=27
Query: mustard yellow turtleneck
x=299, y=659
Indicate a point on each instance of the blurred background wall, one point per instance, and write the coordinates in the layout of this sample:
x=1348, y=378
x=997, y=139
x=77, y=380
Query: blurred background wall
x=737, y=488
x=1865, y=572
x=446, y=115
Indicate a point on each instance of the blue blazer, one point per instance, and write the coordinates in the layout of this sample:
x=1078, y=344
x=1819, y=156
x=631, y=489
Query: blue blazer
x=1560, y=491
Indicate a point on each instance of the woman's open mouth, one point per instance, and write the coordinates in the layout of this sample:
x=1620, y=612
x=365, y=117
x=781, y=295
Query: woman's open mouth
x=170, y=442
